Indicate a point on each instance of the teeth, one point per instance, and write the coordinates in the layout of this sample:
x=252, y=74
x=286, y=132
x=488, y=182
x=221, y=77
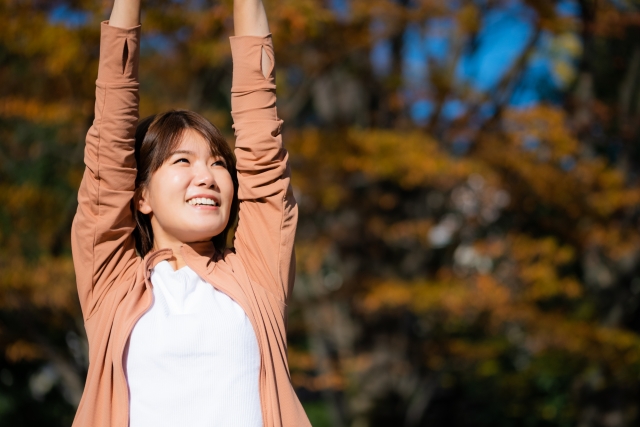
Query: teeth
x=202, y=201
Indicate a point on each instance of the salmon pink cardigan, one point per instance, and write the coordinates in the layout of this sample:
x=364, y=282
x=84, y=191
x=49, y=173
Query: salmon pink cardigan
x=114, y=282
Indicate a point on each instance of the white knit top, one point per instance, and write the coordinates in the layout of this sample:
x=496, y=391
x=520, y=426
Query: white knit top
x=193, y=358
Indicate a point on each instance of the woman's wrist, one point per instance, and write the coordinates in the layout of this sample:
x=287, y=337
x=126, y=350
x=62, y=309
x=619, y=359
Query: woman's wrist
x=250, y=18
x=125, y=14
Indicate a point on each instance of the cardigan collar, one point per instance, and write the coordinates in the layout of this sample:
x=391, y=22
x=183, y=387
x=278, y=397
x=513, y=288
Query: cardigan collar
x=199, y=254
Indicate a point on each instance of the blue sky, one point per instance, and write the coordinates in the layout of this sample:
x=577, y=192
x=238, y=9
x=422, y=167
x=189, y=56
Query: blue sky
x=504, y=34
x=69, y=17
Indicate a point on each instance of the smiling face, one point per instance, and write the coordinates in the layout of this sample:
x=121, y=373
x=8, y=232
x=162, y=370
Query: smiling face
x=189, y=197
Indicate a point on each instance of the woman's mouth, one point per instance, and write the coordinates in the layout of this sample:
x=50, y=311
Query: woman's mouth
x=203, y=201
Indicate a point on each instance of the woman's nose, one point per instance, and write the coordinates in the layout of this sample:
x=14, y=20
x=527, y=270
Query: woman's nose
x=204, y=178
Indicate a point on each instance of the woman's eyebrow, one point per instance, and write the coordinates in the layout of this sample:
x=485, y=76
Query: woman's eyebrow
x=181, y=152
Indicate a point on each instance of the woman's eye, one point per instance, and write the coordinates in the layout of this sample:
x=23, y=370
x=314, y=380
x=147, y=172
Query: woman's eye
x=181, y=160
x=220, y=163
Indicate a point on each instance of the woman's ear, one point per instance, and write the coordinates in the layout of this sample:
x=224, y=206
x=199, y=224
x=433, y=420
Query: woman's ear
x=142, y=201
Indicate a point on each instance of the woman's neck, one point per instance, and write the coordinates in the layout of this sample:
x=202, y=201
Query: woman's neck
x=177, y=261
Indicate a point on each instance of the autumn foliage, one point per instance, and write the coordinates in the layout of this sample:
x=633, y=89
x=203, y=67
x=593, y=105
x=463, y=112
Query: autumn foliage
x=464, y=257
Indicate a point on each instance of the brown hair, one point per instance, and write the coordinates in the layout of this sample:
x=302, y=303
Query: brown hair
x=156, y=138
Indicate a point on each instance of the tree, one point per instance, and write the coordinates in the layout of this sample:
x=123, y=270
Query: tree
x=463, y=259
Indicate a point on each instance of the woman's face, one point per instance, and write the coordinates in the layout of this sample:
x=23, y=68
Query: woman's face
x=189, y=197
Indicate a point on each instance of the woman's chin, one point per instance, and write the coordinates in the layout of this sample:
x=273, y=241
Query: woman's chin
x=203, y=234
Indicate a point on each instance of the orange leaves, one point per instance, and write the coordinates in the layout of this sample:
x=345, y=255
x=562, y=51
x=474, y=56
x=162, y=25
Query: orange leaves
x=310, y=256
x=525, y=250
x=35, y=110
x=320, y=382
x=411, y=230
x=617, y=348
x=22, y=350
x=295, y=20
x=542, y=153
x=50, y=283
x=389, y=295
x=537, y=264
x=411, y=159
x=33, y=211
x=454, y=299
x=469, y=19
x=545, y=125
x=59, y=48
x=611, y=193
x=613, y=240
x=612, y=21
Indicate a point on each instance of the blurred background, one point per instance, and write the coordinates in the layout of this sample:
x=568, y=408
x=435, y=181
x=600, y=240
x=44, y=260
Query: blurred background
x=467, y=177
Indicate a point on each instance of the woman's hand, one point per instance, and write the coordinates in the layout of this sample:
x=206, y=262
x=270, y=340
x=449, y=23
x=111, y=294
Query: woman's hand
x=125, y=14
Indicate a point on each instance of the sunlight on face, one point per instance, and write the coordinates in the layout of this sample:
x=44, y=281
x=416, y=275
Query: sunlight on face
x=189, y=197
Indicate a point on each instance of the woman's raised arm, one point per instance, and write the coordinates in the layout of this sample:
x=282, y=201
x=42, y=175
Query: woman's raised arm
x=101, y=236
x=250, y=19
x=268, y=211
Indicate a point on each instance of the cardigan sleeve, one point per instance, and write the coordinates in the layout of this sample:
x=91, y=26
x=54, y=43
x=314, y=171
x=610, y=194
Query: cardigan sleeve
x=268, y=211
x=101, y=237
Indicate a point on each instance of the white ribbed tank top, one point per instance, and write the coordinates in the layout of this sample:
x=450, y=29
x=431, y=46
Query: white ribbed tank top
x=193, y=358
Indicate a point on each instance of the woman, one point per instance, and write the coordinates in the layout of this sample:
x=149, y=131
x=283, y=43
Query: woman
x=183, y=331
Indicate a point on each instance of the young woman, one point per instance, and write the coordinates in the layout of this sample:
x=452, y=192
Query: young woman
x=183, y=331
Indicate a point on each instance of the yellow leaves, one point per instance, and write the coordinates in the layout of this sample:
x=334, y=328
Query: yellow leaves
x=310, y=255
x=408, y=230
x=610, y=192
x=330, y=381
x=302, y=366
x=300, y=360
x=403, y=231
x=613, y=240
x=612, y=21
x=475, y=351
x=295, y=19
x=455, y=299
x=210, y=21
x=22, y=351
x=310, y=144
x=411, y=158
x=388, y=295
x=525, y=249
x=566, y=48
x=565, y=72
x=31, y=210
x=570, y=43
x=468, y=18
x=208, y=53
x=528, y=251
x=53, y=283
x=606, y=203
x=332, y=196
x=544, y=124
x=319, y=157
x=542, y=154
x=549, y=286
x=49, y=283
x=538, y=261
x=488, y=368
x=61, y=46
x=35, y=110
x=583, y=339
